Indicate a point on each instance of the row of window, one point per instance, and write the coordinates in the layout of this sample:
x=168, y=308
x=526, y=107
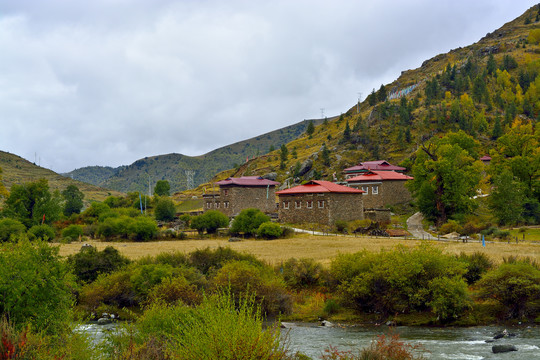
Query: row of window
x=374, y=190
x=215, y=205
x=309, y=204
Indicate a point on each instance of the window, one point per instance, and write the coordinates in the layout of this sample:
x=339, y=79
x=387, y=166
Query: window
x=225, y=192
x=309, y=204
x=320, y=204
x=375, y=190
x=366, y=189
x=286, y=204
x=216, y=205
x=226, y=204
x=297, y=204
x=208, y=205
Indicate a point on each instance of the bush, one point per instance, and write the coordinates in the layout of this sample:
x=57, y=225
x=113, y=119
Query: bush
x=242, y=278
x=36, y=286
x=288, y=232
x=449, y=297
x=449, y=227
x=143, y=229
x=393, y=281
x=174, y=290
x=222, y=327
x=302, y=273
x=88, y=263
x=477, y=264
x=44, y=232
x=112, y=289
x=72, y=231
x=515, y=286
x=11, y=228
x=164, y=209
x=248, y=221
x=341, y=226
x=210, y=221
x=208, y=260
x=269, y=230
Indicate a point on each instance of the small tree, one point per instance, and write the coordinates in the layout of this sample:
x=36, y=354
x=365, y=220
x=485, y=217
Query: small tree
x=310, y=129
x=269, y=230
x=73, y=198
x=88, y=263
x=325, y=155
x=10, y=227
x=210, y=221
x=162, y=188
x=248, y=221
x=164, y=210
x=284, y=153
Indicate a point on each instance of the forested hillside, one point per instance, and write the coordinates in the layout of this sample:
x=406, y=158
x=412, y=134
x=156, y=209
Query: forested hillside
x=486, y=96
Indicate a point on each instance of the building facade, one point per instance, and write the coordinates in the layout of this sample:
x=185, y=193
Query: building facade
x=320, y=202
x=367, y=166
x=237, y=194
x=382, y=188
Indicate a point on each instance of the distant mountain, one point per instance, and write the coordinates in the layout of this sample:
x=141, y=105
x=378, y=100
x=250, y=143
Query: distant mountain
x=175, y=168
x=16, y=170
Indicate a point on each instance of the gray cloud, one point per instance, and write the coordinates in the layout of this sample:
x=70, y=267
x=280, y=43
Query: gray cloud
x=109, y=82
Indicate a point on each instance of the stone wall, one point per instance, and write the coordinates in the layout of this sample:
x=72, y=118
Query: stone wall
x=390, y=192
x=233, y=199
x=324, y=208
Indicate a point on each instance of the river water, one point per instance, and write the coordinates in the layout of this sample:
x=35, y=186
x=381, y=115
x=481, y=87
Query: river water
x=439, y=343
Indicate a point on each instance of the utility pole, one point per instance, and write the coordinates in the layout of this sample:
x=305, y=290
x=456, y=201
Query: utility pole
x=358, y=103
x=322, y=113
x=189, y=179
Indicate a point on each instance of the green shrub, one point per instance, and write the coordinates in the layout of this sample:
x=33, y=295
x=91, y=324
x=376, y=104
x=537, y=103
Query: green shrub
x=449, y=227
x=222, y=327
x=44, y=232
x=269, y=230
x=477, y=264
x=164, y=209
x=210, y=221
x=145, y=277
x=186, y=219
x=142, y=229
x=248, y=221
x=516, y=286
x=393, y=281
x=288, y=232
x=173, y=290
x=72, y=231
x=88, y=263
x=331, y=307
x=302, y=273
x=449, y=297
x=113, y=289
x=92, y=213
x=242, y=277
x=11, y=227
x=208, y=260
x=36, y=286
x=341, y=226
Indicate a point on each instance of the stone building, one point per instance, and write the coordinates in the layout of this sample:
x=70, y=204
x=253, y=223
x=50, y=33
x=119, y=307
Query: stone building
x=366, y=166
x=237, y=194
x=382, y=188
x=321, y=202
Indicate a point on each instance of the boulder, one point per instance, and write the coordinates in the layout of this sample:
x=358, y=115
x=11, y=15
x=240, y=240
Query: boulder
x=104, y=321
x=235, y=239
x=305, y=167
x=503, y=348
x=270, y=176
x=326, y=323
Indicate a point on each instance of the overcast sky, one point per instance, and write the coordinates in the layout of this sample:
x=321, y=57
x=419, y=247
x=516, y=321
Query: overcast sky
x=107, y=82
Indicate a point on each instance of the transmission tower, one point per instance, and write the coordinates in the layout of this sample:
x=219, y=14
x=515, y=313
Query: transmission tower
x=189, y=179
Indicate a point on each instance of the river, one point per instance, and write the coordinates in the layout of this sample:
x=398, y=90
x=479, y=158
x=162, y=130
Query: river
x=439, y=343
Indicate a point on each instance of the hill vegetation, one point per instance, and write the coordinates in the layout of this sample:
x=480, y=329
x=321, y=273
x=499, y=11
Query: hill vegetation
x=172, y=167
x=17, y=171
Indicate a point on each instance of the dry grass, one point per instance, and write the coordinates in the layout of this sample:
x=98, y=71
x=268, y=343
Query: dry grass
x=320, y=248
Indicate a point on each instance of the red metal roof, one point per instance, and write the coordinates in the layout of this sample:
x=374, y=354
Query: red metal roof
x=379, y=176
x=380, y=165
x=319, y=186
x=248, y=181
x=485, y=158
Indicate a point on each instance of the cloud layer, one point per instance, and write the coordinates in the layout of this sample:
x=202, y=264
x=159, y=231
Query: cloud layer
x=108, y=82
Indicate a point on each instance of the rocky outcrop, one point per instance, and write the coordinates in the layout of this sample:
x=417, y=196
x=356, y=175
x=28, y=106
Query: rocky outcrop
x=497, y=349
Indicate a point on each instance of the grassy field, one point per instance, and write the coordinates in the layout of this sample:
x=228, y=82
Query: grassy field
x=320, y=248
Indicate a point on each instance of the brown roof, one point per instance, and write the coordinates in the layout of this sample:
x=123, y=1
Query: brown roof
x=379, y=176
x=248, y=181
x=319, y=186
x=375, y=165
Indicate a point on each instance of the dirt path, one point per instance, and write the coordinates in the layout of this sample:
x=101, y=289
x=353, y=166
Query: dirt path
x=414, y=226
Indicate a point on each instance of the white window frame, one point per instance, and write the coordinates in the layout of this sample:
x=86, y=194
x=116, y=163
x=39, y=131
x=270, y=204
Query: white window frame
x=309, y=204
x=286, y=204
x=375, y=190
x=297, y=204
x=320, y=204
x=366, y=189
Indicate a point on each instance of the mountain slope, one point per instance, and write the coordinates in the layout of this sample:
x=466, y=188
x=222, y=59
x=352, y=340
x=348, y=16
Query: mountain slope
x=16, y=170
x=480, y=89
x=143, y=173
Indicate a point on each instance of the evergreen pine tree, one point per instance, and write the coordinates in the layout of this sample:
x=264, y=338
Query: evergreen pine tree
x=310, y=129
x=347, y=132
x=497, y=128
